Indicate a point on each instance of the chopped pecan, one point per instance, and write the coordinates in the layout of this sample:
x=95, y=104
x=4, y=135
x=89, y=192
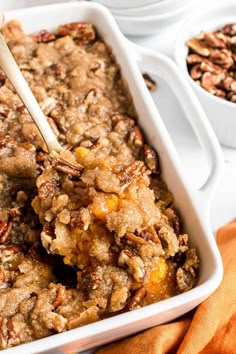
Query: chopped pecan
x=4, y=112
x=220, y=93
x=132, y=237
x=9, y=252
x=229, y=84
x=83, y=32
x=47, y=235
x=208, y=66
x=231, y=96
x=150, y=83
x=229, y=29
x=60, y=296
x=67, y=167
x=194, y=59
x=90, y=280
x=213, y=40
x=222, y=57
x=151, y=159
x=13, y=338
x=5, y=230
x=15, y=213
x=137, y=298
x=208, y=84
x=135, y=137
x=59, y=70
x=150, y=234
x=2, y=276
x=7, y=141
x=48, y=189
x=80, y=218
x=43, y=36
x=196, y=72
x=130, y=172
x=134, y=263
x=199, y=47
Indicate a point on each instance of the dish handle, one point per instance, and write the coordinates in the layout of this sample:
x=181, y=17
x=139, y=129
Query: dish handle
x=155, y=62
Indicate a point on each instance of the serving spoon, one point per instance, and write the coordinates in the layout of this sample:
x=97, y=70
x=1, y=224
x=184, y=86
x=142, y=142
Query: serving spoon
x=12, y=71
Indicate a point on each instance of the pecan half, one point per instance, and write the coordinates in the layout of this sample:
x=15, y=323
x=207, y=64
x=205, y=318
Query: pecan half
x=196, y=72
x=130, y=172
x=134, y=263
x=198, y=47
x=43, y=36
x=213, y=40
x=194, y=59
x=90, y=280
x=83, y=32
x=62, y=165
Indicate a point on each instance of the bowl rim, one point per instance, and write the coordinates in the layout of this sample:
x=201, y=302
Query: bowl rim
x=146, y=18
x=180, y=43
x=165, y=6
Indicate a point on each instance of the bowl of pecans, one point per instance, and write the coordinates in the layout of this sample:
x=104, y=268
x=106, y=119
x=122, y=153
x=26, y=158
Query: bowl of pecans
x=205, y=50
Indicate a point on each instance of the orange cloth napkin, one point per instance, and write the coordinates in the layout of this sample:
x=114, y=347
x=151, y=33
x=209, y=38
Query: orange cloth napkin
x=211, y=329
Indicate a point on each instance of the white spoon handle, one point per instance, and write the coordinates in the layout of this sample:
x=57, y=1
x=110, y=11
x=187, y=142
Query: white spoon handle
x=11, y=69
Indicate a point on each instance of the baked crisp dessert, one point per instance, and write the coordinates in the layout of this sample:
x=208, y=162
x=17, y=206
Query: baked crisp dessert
x=90, y=232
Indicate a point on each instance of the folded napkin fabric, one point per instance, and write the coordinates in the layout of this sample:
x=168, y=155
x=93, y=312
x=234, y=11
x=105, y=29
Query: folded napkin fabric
x=210, y=329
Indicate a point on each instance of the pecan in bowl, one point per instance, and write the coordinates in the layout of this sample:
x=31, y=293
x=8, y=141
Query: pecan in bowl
x=205, y=50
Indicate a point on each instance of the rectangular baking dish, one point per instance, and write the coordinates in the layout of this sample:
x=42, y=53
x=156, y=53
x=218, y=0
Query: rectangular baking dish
x=193, y=204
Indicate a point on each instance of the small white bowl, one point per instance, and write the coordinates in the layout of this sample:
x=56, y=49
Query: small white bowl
x=152, y=22
x=221, y=113
x=156, y=8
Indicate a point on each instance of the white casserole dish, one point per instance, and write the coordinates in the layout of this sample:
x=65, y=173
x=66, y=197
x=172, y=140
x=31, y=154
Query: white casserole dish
x=192, y=204
x=221, y=113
